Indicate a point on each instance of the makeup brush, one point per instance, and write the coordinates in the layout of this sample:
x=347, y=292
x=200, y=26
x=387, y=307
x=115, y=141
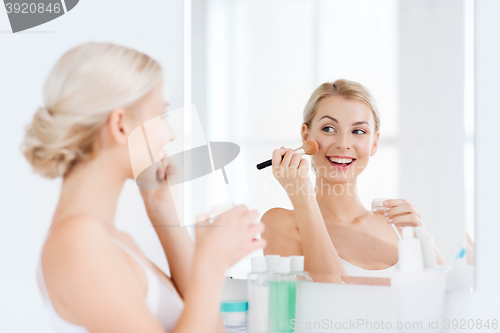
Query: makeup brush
x=310, y=147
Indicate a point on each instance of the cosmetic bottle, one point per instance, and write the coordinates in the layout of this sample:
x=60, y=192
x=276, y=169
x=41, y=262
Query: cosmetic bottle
x=258, y=297
x=271, y=262
x=234, y=315
x=282, y=290
x=302, y=277
x=419, y=292
x=410, y=252
x=297, y=269
x=427, y=245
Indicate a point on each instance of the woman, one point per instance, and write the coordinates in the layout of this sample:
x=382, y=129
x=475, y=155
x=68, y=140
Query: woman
x=328, y=223
x=94, y=277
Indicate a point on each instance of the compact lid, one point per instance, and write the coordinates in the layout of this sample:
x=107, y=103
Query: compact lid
x=283, y=265
x=258, y=264
x=408, y=233
x=378, y=202
x=297, y=263
x=271, y=261
x=234, y=306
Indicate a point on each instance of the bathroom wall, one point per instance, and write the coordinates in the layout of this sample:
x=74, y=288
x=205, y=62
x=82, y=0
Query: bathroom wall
x=432, y=130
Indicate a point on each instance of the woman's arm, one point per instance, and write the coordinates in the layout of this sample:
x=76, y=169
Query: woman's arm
x=174, y=239
x=283, y=237
x=185, y=270
x=202, y=307
x=321, y=259
x=218, y=246
x=87, y=273
x=320, y=256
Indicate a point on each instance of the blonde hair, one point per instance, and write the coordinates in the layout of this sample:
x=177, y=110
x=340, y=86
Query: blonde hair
x=346, y=89
x=85, y=85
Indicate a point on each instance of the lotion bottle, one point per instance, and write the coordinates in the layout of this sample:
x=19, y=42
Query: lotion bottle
x=271, y=262
x=427, y=244
x=258, y=297
x=410, y=252
x=302, y=277
x=282, y=291
x=297, y=269
x=419, y=293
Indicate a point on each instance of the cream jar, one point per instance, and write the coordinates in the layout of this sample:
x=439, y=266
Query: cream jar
x=235, y=315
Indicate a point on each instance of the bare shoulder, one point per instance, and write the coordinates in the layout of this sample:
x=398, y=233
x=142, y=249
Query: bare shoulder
x=73, y=226
x=79, y=261
x=74, y=237
x=281, y=233
x=281, y=219
x=278, y=215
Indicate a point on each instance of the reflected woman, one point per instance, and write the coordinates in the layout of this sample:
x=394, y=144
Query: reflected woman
x=337, y=235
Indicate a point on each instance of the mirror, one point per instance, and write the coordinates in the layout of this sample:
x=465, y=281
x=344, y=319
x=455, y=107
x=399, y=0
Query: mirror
x=255, y=64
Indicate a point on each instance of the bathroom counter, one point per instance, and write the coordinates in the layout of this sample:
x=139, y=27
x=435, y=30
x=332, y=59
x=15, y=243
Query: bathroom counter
x=327, y=307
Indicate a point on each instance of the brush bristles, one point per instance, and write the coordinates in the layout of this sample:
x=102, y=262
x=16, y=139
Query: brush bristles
x=310, y=147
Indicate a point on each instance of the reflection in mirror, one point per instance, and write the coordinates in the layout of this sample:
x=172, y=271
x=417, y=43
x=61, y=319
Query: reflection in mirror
x=257, y=63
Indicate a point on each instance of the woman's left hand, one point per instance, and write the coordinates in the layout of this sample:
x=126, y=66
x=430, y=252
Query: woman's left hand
x=402, y=213
x=159, y=202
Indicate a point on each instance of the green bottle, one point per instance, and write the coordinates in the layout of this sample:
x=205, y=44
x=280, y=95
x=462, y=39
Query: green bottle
x=282, y=290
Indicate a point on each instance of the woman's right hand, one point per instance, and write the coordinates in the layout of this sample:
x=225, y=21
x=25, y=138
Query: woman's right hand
x=292, y=172
x=230, y=237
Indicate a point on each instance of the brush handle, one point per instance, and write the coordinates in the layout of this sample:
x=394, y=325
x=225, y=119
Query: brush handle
x=267, y=163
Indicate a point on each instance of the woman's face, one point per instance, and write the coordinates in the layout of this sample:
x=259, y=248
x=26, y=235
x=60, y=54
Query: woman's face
x=153, y=112
x=345, y=132
x=152, y=129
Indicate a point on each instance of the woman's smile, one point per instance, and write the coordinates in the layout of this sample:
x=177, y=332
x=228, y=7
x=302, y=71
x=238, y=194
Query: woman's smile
x=341, y=162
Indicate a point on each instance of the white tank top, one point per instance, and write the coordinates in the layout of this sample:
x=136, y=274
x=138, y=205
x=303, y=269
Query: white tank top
x=352, y=270
x=162, y=300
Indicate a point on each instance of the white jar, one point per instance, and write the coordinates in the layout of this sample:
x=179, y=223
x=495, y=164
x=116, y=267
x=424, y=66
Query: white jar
x=235, y=315
x=378, y=205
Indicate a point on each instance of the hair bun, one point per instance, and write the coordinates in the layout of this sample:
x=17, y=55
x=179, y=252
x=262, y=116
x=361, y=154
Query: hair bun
x=42, y=148
x=85, y=85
